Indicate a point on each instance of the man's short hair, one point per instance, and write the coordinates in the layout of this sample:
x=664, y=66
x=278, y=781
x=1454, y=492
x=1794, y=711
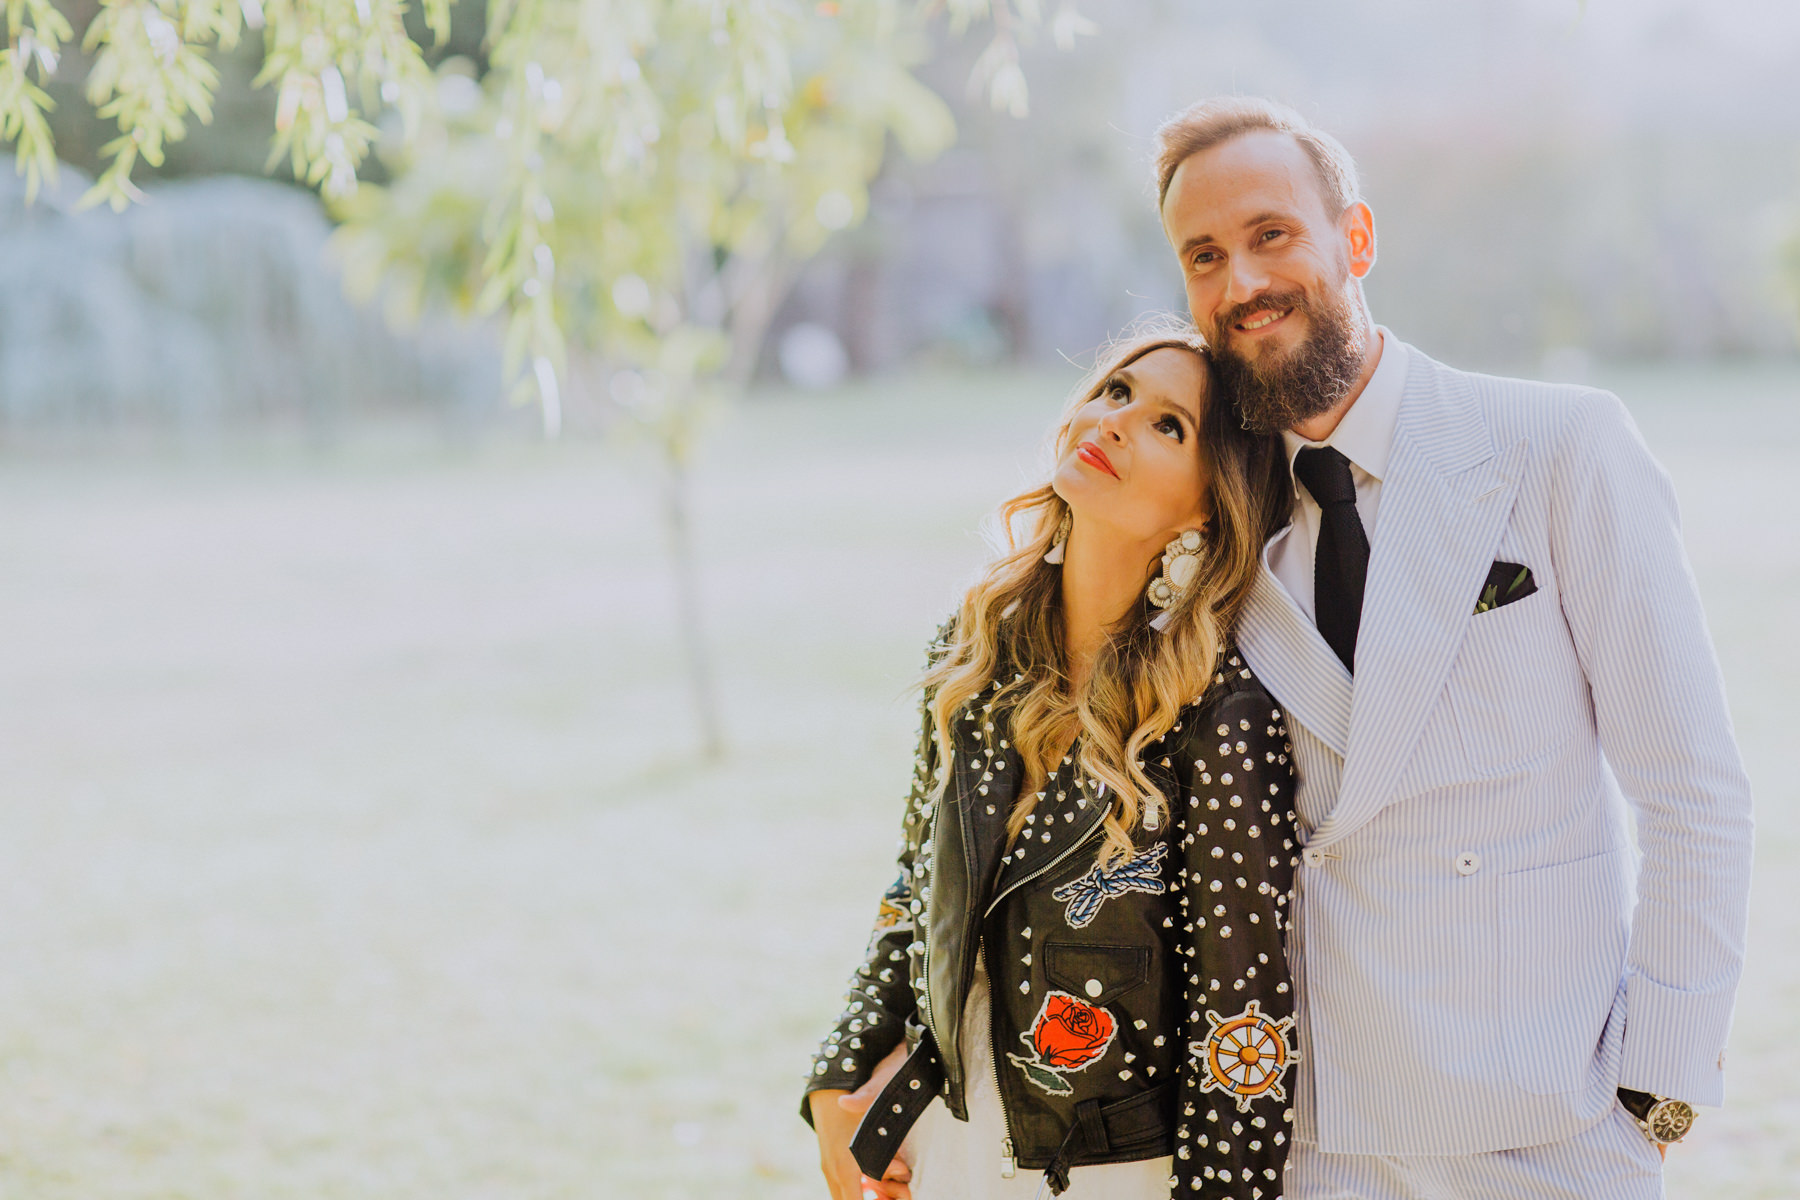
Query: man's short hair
x=1206, y=124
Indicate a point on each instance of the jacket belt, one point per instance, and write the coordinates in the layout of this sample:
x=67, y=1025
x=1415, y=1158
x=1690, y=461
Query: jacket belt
x=909, y=1093
x=1137, y=1121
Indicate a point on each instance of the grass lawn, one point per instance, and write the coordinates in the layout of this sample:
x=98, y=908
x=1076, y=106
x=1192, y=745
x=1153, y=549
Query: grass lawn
x=352, y=846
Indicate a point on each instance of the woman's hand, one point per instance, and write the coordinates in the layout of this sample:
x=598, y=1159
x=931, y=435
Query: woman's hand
x=836, y=1114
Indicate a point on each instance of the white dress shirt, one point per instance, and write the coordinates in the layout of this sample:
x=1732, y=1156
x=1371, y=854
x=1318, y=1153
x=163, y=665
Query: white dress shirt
x=1364, y=436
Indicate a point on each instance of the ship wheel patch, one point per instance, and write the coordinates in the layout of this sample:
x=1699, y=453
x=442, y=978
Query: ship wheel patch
x=1245, y=1056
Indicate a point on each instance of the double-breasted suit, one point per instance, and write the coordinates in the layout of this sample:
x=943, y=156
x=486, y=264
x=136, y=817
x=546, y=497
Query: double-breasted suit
x=1483, y=947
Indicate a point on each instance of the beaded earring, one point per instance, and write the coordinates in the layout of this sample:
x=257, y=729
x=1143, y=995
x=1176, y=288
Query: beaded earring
x=1180, y=564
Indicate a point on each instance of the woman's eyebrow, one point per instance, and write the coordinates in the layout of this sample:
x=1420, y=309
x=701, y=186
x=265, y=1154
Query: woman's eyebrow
x=1178, y=408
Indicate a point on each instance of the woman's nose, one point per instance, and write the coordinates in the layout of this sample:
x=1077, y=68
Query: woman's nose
x=1112, y=424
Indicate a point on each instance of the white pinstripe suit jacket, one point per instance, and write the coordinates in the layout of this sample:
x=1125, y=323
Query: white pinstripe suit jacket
x=1482, y=956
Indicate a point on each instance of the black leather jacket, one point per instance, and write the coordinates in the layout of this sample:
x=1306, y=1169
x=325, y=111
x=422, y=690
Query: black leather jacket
x=1137, y=1011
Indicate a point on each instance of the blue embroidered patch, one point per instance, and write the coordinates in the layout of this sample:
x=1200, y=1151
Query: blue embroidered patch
x=1140, y=873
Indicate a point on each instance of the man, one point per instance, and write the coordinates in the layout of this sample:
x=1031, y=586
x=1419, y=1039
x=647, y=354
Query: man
x=1485, y=630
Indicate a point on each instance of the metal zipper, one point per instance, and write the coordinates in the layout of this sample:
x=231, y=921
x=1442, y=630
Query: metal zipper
x=922, y=926
x=1009, y=1164
x=1077, y=844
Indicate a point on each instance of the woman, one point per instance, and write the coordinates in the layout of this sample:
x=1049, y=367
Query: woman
x=1083, y=954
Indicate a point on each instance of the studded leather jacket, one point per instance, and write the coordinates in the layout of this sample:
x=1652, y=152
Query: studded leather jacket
x=1139, y=1009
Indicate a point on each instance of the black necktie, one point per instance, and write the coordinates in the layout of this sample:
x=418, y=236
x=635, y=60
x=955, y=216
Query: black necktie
x=1341, y=566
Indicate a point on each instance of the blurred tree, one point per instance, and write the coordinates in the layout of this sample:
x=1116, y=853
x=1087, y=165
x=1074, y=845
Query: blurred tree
x=641, y=265
x=628, y=183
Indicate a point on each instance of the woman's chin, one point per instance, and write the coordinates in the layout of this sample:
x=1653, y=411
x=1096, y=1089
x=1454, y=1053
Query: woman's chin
x=1068, y=484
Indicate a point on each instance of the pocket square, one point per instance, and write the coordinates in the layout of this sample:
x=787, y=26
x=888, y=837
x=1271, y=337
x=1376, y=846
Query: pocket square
x=1506, y=582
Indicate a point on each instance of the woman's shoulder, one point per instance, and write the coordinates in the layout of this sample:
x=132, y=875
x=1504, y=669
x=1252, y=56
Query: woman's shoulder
x=941, y=640
x=1235, y=695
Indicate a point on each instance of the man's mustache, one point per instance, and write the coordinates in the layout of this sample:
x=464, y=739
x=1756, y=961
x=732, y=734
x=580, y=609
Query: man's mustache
x=1271, y=302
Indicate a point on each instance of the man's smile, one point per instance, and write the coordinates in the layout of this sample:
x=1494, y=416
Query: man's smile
x=1263, y=320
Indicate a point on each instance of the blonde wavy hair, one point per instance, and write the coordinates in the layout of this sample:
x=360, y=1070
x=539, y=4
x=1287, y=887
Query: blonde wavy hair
x=1008, y=631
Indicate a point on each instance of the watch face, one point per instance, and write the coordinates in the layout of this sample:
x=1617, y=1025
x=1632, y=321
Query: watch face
x=1670, y=1120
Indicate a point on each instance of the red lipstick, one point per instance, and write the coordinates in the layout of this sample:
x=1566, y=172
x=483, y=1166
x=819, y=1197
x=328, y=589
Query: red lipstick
x=1094, y=457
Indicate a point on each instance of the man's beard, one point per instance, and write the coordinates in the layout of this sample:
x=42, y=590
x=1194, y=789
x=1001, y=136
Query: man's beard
x=1307, y=381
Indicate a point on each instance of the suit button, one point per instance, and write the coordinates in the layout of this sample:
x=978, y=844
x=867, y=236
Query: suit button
x=1093, y=988
x=1468, y=862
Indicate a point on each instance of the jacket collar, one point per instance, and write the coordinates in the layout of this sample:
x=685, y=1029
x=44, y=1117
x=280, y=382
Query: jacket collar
x=985, y=780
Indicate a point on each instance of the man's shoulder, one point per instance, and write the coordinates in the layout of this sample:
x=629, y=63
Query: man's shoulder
x=1513, y=408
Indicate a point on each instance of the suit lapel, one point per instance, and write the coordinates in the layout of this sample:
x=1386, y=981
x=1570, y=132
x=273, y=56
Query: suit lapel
x=1287, y=651
x=1444, y=507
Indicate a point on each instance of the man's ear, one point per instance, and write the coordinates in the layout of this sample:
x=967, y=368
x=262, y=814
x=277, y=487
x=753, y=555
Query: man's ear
x=1358, y=226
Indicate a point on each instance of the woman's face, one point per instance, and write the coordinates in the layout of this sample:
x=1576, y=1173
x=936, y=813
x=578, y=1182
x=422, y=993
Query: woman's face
x=1132, y=462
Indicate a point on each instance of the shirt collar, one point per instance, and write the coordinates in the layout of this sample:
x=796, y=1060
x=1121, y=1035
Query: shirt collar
x=1366, y=434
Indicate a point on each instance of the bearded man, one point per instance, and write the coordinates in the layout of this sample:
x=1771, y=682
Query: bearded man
x=1484, y=627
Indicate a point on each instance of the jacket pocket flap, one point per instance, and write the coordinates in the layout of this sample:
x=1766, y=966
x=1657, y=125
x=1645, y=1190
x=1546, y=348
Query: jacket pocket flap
x=1097, y=974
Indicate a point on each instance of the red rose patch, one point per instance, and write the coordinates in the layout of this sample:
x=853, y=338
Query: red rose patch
x=1068, y=1035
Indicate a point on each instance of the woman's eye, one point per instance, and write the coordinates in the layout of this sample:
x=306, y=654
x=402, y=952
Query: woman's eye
x=1118, y=391
x=1171, y=427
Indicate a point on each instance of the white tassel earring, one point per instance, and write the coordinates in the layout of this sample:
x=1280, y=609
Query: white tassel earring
x=1056, y=553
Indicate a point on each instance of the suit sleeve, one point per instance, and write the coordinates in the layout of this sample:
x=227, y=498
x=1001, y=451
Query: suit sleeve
x=1630, y=600
x=1234, y=1114
x=880, y=999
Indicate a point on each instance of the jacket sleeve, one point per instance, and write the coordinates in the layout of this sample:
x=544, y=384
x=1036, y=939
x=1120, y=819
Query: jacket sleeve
x=1659, y=706
x=1234, y=1112
x=880, y=998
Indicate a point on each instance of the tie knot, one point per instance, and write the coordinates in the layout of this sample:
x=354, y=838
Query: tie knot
x=1326, y=474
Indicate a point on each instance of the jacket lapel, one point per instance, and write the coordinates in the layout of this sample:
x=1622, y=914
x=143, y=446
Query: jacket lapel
x=1444, y=507
x=1293, y=659
x=987, y=776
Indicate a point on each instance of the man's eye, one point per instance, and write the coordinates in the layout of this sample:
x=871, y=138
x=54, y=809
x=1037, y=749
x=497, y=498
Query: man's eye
x=1205, y=258
x=1270, y=235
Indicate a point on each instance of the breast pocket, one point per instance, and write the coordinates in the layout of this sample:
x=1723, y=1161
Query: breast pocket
x=1515, y=689
x=1096, y=974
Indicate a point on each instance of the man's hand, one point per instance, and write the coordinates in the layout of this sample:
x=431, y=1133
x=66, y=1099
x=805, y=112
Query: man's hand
x=836, y=1114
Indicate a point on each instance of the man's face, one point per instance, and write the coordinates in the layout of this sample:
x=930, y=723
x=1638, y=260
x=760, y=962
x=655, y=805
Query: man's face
x=1270, y=275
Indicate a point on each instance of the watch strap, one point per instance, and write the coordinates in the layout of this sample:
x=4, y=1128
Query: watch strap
x=1638, y=1104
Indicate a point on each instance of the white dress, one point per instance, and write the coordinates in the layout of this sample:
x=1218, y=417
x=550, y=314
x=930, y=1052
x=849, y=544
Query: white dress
x=960, y=1160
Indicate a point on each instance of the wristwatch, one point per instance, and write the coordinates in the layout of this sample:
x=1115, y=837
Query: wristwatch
x=1664, y=1121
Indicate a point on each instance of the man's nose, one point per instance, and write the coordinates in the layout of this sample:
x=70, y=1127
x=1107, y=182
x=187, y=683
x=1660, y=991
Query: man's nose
x=1244, y=280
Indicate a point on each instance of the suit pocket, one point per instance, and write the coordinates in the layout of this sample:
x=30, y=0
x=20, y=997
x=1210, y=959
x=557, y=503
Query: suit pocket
x=1514, y=686
x=1563, y=935
x=1097, y=974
